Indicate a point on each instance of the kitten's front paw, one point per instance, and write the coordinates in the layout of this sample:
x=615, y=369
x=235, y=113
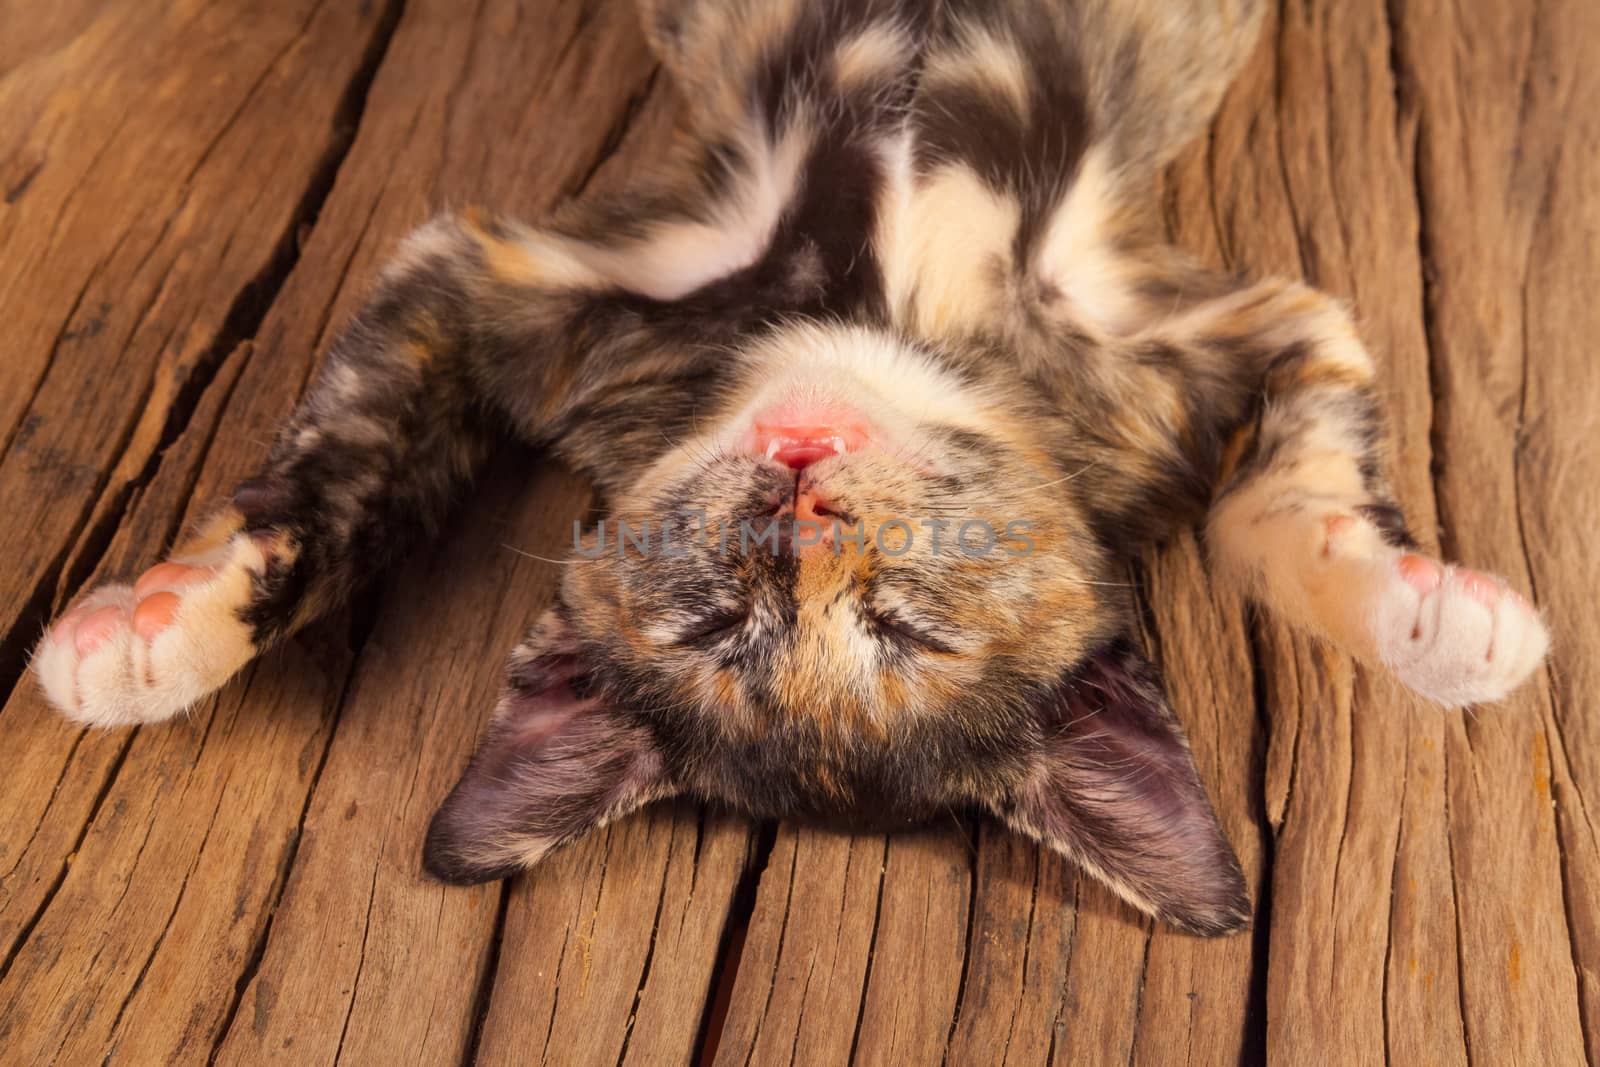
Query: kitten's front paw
x=145, y=652
x=1452, y=634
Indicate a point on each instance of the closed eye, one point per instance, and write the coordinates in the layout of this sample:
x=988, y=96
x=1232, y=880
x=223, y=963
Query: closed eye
x=715, y=626
x=897, y=628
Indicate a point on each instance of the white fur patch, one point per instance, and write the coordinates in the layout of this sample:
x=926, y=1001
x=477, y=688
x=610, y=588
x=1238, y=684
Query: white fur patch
x=126, y=679
x=874, y=51
x=1446, y=644
x=896, y=388
x=676, y=258
x=861, y=368
x=982, y=60
x=1076, y=257
x=943, y=241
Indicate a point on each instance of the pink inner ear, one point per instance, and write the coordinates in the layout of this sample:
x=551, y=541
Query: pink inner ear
x=537, y=718
x=545, y=701
x=557, y=760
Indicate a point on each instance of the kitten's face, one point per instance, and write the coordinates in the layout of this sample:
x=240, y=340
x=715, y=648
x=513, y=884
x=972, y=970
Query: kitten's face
x=876, y=675
x=879, y=658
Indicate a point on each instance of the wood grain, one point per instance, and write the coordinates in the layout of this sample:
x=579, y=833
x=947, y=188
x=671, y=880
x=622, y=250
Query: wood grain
x=192, y=196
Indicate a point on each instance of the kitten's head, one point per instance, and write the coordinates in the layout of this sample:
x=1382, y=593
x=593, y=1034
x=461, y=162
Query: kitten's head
x=862, y=591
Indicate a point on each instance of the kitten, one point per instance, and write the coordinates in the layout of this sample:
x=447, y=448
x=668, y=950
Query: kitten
x=897, y=278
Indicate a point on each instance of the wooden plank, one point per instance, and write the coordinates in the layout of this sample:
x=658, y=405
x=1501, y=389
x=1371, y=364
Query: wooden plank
x=1308, y=173
x=367, y=958
x=1313, y=183
x=698, y=899
x=142, y=200
x=1025, y=923
x=1197, y=993
x=609, y=946
x=610, y=949
x=1427, y=883
x=230, y=886
x=358, y=999
x=182, y=850
x=1558, y=492
x=918, y=945
x=93, y=213
x=799, y=990
x=1507, y=151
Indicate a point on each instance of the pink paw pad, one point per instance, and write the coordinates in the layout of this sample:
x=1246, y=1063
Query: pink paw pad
x=1482, y=588
x=1421, y=573
x=154, y=614
x=92, y=629
x=169, y=577
x=157, y=592
x=146, y=650
x=157, y=597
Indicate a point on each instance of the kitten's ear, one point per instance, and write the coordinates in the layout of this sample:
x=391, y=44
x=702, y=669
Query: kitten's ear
x=556, y=762
x=1114, y=786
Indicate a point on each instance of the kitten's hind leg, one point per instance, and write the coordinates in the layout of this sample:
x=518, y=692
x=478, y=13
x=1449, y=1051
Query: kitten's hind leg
x=1303, y=520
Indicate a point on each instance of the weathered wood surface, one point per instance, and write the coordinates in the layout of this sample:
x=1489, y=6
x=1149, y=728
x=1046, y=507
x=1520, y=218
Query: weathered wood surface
x=190, y=195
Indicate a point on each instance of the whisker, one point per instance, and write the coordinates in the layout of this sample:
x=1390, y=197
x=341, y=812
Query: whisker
x=1092, y=463
x=544, y=559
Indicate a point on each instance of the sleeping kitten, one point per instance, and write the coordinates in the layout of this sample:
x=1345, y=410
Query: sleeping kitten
x=884, y=381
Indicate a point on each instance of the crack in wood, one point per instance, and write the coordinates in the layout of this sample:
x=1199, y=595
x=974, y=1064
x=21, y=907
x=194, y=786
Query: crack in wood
x=1027, y=952
x=26, y=929
x=872, y=945
x=730, y=944
x=491, y=969
x=155, y=949
x=20, y=186
x=650, y=952
x=783, y=931
x=63, y=333
x=1338, y=854
x=969, y=835
x=44, y=813
x=258, y=948
x=1256, y=1015
x=617, y=133
x=361, y=959
x=1057, y=1023
x=1455, y=907
x=555, y=997
x=1138, y=999
x=1394, y=892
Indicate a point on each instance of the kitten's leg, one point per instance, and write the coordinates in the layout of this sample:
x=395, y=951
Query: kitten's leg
x=476, y=322
x=1304, y=522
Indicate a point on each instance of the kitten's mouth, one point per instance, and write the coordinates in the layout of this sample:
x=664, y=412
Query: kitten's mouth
x=798, y=435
